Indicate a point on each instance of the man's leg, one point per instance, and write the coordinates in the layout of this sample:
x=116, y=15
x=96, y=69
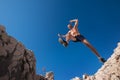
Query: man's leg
x=91, y=47
x=93, y=50
x=62, y=40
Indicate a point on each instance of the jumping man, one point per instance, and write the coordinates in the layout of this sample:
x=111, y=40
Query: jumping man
x=74, y=35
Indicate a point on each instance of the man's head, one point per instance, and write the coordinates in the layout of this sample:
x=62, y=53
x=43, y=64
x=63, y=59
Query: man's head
x=70, y=26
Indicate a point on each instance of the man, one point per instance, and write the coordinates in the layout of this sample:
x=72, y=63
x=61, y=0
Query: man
x=74, y=35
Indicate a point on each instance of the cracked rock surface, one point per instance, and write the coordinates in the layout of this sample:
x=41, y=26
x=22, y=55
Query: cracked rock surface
x=16, y=62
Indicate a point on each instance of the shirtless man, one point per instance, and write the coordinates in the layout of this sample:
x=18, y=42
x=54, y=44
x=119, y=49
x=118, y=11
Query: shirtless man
x=74, y=35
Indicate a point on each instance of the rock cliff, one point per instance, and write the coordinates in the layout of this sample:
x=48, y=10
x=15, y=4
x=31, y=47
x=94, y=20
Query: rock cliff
x=16, y=62
x=109, y=71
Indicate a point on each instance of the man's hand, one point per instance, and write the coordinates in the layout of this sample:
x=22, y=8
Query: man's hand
x=70, y=21
x=58, y=34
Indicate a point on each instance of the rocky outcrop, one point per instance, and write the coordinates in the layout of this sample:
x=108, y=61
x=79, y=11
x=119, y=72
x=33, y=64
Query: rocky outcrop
x=16, y=62
x=109, y=71
x=49, y=75
x=76, y=78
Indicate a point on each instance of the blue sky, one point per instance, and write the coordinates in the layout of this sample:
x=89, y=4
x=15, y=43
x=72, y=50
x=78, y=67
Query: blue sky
x=36, y=24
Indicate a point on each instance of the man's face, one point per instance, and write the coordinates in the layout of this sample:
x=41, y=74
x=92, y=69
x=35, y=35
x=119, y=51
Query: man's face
x=69, y=26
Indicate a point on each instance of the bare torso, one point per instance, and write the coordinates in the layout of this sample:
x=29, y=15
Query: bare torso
x=71, y=34
x=74, y=32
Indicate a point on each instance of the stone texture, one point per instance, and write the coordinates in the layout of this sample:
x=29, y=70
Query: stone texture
x=76, y=78
x=110, y=70
x=16, y=62
x=3, y=52
x=50, y=75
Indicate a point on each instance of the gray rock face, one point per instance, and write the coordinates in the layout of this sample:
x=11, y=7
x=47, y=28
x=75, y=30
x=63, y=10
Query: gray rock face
x=110, y=70
x=16, y=62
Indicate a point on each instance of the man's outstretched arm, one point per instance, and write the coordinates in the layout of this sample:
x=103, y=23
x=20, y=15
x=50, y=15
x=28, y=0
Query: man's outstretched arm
x=60, y=35
x=76, y=22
